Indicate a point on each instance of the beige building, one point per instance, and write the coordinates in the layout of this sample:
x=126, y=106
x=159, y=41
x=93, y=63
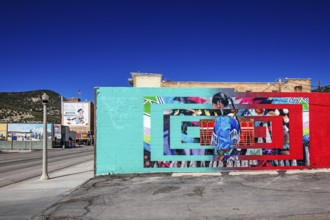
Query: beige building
x=288, y=85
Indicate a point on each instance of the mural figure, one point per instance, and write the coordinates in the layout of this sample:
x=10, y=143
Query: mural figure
x=226, y=131
x=79, y=118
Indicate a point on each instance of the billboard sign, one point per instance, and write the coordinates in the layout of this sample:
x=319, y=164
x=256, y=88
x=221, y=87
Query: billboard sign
x=76, y=114
x=24, y=132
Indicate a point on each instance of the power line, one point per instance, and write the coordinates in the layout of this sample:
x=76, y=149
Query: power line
x=286, y=86
x=271, y=84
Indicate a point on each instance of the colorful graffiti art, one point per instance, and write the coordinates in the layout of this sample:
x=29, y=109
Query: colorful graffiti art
x=226, y=131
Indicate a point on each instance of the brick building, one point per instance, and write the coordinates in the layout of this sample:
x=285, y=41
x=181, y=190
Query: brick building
x=289, y=84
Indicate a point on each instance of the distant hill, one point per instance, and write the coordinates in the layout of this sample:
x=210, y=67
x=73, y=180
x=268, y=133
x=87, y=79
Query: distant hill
x=27, y=107
x=323, y=89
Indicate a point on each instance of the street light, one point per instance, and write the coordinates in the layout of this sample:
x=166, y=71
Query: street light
x=44, y=176
x=31, y=140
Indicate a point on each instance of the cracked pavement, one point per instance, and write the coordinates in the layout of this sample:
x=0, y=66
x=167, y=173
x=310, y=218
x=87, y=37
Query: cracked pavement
x=162, y=196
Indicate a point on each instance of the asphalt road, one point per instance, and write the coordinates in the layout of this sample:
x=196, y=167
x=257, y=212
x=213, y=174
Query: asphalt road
x=17, y=167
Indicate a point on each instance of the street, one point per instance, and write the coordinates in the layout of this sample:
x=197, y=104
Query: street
x=17, y=167
x=22, y=192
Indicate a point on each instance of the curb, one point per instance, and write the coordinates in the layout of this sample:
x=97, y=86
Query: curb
x=325, y=170
x=260, y=172
x=195, y=174
x=16, y=151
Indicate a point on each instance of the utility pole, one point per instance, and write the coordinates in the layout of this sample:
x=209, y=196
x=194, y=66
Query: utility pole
x=279, y=85
x=12, y=141
x=31, y=140
x=319, y=86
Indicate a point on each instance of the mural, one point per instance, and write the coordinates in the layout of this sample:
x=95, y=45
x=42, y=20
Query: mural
x=209, y=130
x=226, y=131
x=27, y=132
x=3, y=132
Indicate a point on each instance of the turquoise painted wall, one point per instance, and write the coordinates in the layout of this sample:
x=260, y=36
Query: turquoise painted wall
x=121, y=129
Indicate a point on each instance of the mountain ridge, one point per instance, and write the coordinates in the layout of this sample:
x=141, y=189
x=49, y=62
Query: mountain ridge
x=27, y=107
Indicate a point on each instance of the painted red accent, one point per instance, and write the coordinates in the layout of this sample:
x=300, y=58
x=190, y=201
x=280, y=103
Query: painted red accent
x=319, y=121
x=206, y=131
x=277, y=133
x=319, y=129
x=197, y=99
x=260, y=132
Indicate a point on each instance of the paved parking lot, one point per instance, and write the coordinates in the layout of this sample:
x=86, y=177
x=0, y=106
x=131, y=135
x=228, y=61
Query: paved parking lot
x=163, y=196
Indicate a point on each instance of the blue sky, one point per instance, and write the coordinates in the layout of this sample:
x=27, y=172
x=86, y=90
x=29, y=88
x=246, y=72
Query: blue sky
x=71, y=45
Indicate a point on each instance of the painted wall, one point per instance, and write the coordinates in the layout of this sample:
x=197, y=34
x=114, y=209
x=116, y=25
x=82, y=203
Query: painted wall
x=170, y=130
x=18, y=136
x=27, y=132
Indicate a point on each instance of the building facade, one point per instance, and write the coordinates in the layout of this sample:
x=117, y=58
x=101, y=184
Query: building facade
x=288, y=85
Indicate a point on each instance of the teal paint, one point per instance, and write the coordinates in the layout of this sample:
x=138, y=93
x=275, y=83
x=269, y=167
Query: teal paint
x=193, y=132
x=175, y=138
x=119, y=133
x=119, y=128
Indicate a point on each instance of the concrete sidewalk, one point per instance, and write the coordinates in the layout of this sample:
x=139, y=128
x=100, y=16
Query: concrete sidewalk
x=163, y=196
x=28, y=198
